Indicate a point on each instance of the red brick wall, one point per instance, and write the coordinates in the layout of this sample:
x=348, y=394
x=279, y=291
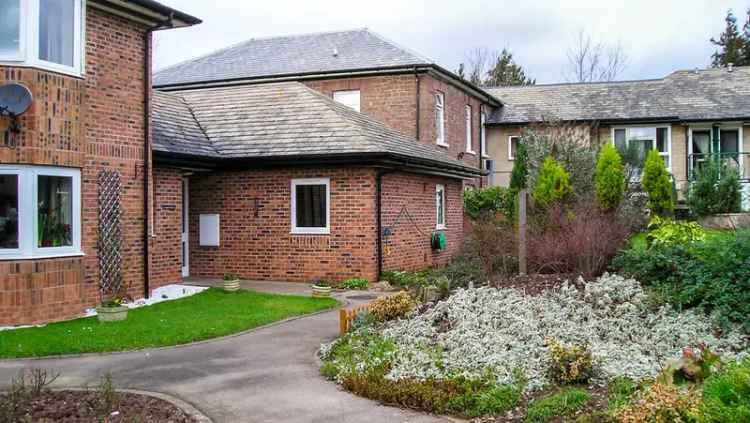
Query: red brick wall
x=261, y=247
x=166, y=251
x=92, y=123
x=391, y=99
x=409, y=212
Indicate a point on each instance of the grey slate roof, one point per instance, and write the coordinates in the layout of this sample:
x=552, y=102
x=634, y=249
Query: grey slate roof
x=292, y=55
x=276, y=121
x=683, y=95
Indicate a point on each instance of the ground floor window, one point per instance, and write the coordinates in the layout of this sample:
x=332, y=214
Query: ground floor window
x=39, y=211
x=311, y=207
x=440, y=206
x=513, y=141
x=642, y=139
x=708, y=142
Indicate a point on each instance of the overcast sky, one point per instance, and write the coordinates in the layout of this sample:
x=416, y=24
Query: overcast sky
x=659, y=36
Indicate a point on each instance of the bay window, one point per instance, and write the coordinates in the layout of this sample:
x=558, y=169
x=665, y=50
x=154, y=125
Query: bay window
x=644, y=139
x=42, y=33
x=39, y=212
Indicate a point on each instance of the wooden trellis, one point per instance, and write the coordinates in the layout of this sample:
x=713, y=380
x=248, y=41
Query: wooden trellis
x=110, y=233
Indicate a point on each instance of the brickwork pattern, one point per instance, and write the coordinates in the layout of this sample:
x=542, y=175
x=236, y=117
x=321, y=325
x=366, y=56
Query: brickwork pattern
x=167, y=248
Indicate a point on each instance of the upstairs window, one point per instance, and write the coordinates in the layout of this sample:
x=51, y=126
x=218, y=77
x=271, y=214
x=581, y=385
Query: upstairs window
x=349, y=98
x=311, y=206
x=440, y=118
x=42, y=33
x=468, y=121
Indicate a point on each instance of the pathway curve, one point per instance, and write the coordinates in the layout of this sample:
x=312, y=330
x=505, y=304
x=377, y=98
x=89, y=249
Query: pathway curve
x=267, y=375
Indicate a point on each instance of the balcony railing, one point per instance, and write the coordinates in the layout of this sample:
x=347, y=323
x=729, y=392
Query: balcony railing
x=739, y=161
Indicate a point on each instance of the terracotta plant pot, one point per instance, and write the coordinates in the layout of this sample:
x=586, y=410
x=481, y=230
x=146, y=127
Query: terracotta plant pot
x=321, y=291
x=112, y=314
x=232, y=285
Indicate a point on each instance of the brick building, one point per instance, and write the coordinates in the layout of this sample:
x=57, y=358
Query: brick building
x=384, y=137
x=88, y=115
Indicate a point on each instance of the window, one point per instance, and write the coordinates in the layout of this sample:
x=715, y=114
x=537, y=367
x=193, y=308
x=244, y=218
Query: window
x=643, y=139
x=348, y=98
x=10, y=29
x=440, y=118
x=469, y=141
x=311, y=208
x=482, y=133
x=39, y=212
x=42, y=33
x=440, y=206
x=513, y=141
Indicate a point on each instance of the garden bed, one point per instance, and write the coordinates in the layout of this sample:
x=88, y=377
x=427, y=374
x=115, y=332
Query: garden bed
x=209, y=314
x=488, y=351
x=84, y=406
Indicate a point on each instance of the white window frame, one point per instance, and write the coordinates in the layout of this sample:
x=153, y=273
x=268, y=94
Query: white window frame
x=28, y=54
x=469, y=119
x=668, y=127
x=729, y=126
x=438, y=205
x=342, y=93
x=28, y=215
x=310, y=230
x=440, y=119
x=483, y=134
x=510, y=145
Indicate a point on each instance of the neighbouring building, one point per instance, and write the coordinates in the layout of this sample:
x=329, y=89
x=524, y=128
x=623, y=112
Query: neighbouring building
x=318, y=156
x=687, y=116
x=87, y=67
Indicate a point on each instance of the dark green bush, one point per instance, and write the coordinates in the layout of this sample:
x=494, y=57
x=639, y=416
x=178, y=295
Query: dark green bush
x=715, y=189
x=657, y=185
x=519, y=176
x=609, y=178
x=713, y=275
x=490, y=200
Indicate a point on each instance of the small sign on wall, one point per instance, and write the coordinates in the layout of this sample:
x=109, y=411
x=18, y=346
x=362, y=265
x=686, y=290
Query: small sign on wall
x=209, y=230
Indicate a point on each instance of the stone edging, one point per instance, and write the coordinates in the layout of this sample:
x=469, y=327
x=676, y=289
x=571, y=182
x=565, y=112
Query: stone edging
x=342, y=300
x=183, y=405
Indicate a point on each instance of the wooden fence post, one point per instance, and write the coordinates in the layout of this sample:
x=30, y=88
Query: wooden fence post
x=342, y=322
x=522, y=232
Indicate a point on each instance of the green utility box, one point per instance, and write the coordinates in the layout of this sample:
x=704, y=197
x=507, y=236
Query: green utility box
x=438, y=240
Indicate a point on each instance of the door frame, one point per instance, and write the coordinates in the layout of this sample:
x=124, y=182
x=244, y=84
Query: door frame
x=185, y=229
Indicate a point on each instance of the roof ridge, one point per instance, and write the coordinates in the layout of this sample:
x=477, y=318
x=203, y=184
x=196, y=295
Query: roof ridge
x=565, y=84
x=249, y=40
x=406, y=49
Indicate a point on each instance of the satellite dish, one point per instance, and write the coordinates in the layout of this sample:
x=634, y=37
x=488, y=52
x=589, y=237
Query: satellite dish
x=14, y=99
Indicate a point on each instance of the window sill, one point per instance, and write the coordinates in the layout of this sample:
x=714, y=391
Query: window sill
x=442, y=144
x=16, y=257
x=440, y=227
x=473, y=153
x=42, y=67
x=310, y=231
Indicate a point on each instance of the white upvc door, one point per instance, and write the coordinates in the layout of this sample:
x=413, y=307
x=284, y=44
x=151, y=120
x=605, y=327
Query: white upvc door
x=185, y=238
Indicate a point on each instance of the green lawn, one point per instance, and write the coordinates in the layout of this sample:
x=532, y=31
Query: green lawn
x=206, y=315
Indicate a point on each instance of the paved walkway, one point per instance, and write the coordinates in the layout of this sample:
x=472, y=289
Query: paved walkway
x=267, y=375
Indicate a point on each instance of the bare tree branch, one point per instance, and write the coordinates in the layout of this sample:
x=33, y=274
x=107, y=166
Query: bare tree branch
x=592, y=61
x=479, y=62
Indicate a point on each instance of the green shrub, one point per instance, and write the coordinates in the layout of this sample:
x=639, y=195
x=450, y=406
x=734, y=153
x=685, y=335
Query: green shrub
x=713, y=275
x=620, y=390
x=482, y=201
x=392, y=306
x=552, y=184
x=726, y=395
x=329, y=370
x=609, y=178
x=482, y=401
x=363, y=319
x=662, y=403
x=674, y=232
x=520, y=174
x=560, y=404
x=715, y=189
x=462, y=272
x=570, y=364
x=657, y=185
x=355, y=283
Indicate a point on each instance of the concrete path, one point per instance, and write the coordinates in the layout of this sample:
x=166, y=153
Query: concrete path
x=267, y=375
